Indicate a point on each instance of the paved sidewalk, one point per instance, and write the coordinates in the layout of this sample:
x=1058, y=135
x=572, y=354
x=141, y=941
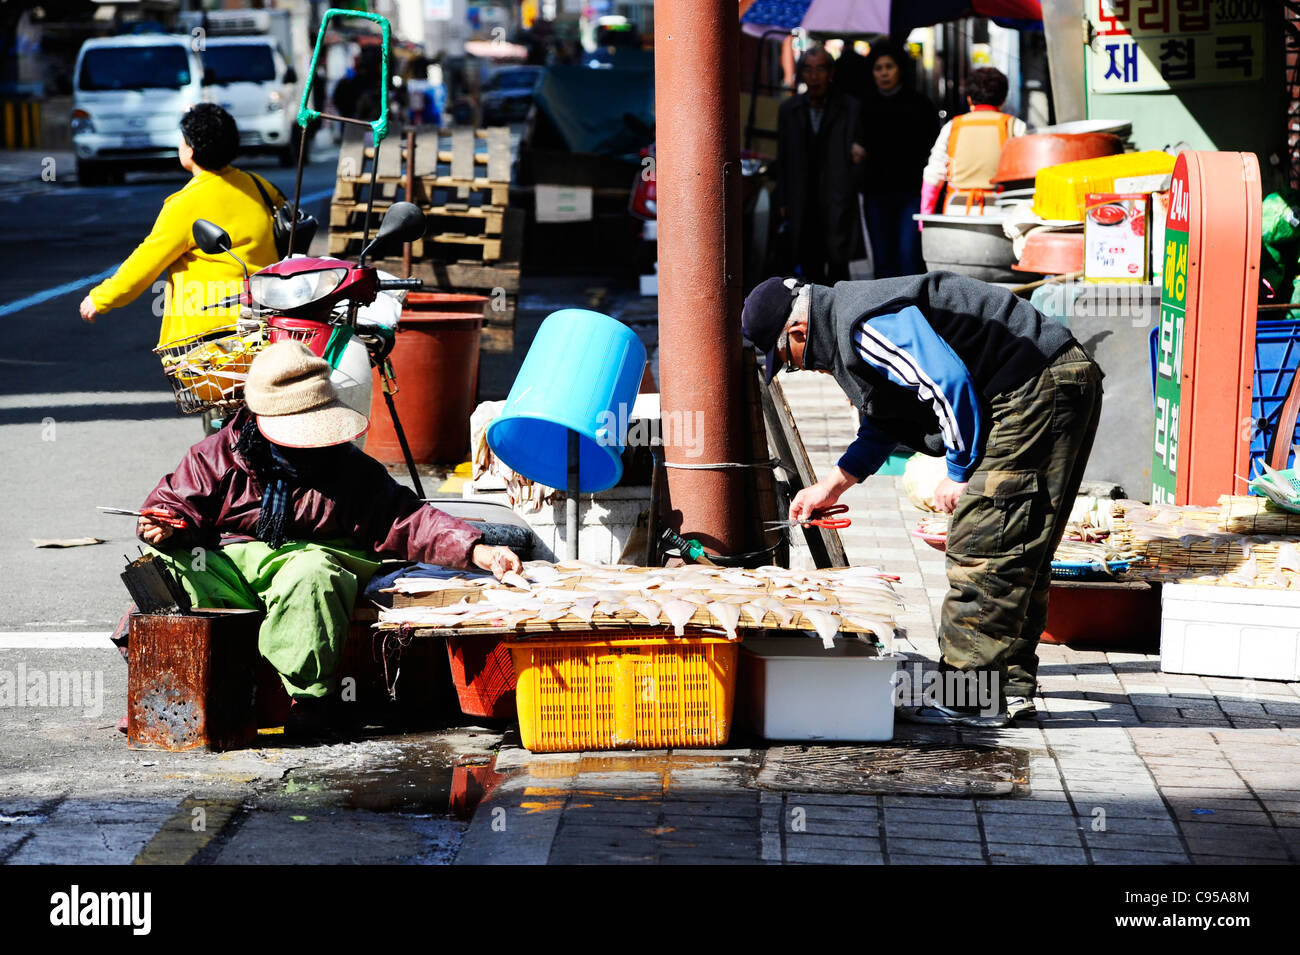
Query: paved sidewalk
x=1126, y=764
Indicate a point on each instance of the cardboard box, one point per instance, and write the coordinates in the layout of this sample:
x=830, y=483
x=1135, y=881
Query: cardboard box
x=1116, y=237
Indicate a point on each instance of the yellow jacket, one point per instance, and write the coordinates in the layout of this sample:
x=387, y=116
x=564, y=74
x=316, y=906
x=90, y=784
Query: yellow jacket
x=227, y=197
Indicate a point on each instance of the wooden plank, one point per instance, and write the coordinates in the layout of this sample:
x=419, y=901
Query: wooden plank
x=426, y=153
x=462, y=154
x=783, y=437
x=489, y=193
x=491, y=245
x=498, y=156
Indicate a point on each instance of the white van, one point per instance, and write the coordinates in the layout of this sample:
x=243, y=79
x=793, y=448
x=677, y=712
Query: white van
x=129, y=95
x=249, y=77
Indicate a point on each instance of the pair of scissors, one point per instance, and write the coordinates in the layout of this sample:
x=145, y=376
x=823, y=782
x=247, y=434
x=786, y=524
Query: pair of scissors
x=819, y=518
x=159, y=515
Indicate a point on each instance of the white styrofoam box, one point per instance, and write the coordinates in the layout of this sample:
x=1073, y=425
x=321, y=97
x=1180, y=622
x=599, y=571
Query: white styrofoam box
x=649, y=286
x=797, y=689
x=1230, y=631
x=606, y=520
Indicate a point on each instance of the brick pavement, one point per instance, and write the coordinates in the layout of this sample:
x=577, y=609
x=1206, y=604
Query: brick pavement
x=1128, y=765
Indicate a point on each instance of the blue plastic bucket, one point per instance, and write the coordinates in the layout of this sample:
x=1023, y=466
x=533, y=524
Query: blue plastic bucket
x=581, y=373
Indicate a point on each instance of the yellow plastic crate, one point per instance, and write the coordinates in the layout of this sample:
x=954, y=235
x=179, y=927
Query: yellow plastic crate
x=642, y=691
x=1060, y=191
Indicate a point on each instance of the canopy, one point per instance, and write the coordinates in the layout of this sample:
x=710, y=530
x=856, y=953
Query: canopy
x=852, y=17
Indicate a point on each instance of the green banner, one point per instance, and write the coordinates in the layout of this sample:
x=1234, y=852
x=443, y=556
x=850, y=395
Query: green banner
x=1169, y=368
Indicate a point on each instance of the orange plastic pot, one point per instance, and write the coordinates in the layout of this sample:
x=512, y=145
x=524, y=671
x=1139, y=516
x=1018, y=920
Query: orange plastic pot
x=1023, y=156
x=435, y=360
x=1052, y=253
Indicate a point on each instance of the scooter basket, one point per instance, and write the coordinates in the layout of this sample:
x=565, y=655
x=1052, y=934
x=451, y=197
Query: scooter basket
x=209, y=370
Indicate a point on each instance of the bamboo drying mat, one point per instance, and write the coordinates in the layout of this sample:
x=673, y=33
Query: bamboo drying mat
x=625, y=618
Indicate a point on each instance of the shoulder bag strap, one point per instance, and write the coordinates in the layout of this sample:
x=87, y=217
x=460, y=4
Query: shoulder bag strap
x=260, y=188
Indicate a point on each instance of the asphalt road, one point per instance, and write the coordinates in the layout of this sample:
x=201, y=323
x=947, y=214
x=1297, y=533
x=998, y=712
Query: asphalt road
x=86, y=417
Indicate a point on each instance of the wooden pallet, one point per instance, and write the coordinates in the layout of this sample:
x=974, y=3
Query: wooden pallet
x=474, y=220
x=449, y=167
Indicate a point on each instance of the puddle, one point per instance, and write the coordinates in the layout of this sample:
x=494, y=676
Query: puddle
x=903, y=767
x=422, y=779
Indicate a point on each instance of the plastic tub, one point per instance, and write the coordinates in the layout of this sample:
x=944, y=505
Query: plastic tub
x=1060, y=191
x=581, y=373
x=796, y=689
x=435, y=360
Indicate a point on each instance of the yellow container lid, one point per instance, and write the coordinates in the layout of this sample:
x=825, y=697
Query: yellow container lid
x=1059, y=191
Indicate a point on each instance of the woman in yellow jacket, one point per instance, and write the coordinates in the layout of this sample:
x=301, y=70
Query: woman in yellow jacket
x=217, y=191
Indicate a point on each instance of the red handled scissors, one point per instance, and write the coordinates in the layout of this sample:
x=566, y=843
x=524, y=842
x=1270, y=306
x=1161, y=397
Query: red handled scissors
x=820, y=518
x=159, y=515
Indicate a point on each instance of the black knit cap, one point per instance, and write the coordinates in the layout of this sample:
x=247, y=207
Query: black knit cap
x=212, y=134
x=767, y=309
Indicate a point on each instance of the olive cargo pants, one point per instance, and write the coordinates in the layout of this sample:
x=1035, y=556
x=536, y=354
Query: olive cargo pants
x=306, y=589
x=1007, y=525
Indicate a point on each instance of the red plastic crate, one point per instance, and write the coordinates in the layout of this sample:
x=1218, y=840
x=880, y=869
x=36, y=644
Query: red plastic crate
x=483, y=673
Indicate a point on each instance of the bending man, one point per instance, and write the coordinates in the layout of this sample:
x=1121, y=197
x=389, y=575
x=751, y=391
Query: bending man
x=949, y=365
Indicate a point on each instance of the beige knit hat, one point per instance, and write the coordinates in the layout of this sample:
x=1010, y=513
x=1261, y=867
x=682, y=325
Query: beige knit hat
x=289, y=390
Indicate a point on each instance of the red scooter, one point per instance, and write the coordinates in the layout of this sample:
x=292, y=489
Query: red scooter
x=316, y=301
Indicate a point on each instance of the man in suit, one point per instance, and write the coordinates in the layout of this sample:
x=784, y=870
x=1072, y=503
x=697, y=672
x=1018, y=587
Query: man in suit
x=820, y=155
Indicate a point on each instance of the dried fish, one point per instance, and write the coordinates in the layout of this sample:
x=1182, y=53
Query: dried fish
x=584, y=609
x=726, y=614
x=679, y=614
x=754, y=612
x=826, y=624
x=784, y=615
x=541, y=572
x=608, y=608
x=646, y=608
x=553, y=611
x=511, y=579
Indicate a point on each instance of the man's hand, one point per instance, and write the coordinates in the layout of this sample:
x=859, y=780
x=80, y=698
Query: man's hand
x=857, y=153
x=88, y=310
x=498, y=560
x=150, y=531
x=947, y=493
x=822, y=494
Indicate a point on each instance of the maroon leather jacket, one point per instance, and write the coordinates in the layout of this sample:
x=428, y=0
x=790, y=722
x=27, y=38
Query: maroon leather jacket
x=215, y=489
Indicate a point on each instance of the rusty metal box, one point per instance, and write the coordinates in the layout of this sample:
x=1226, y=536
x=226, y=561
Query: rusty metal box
x=192, y=680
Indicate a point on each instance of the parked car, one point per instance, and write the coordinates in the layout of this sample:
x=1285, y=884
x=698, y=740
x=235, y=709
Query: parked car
x=507, y=94
x=249, y=77
x=129, y=95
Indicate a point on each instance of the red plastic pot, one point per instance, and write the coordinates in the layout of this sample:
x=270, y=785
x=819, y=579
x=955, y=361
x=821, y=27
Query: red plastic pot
x=436, y=363
x=1023, y=156
x=1052, y=253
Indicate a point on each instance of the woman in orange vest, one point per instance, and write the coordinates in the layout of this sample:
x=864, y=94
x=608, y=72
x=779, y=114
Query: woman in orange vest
x=965, y=156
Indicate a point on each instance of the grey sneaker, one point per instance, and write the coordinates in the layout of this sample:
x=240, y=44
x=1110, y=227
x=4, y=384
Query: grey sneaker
x=1021, y=708
x=947, y=716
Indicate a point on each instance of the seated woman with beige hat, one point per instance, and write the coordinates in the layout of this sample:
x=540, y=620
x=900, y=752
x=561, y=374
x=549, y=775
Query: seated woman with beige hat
x=285, y=514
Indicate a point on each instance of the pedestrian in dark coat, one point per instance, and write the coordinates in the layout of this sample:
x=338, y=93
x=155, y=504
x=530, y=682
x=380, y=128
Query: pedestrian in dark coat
x=901, y=124
x=820, y=153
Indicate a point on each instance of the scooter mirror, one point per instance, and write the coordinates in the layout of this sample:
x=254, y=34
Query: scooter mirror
x=210, y=237
x=404, y=222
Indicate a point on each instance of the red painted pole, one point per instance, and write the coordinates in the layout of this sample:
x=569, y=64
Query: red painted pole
x=697, y=171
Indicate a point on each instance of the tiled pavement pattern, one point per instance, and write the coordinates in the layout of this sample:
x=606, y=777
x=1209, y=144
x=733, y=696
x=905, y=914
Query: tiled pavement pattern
x=1127, y=764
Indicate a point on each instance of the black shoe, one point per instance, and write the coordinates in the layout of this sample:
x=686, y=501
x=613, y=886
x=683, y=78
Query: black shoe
x=310, y=719
x=934, y=715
